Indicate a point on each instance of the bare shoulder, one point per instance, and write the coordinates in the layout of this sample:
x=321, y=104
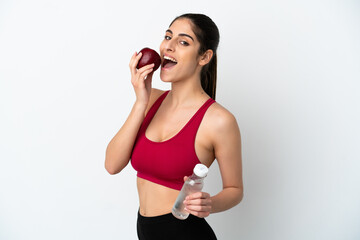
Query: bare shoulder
x=223, y=132
x=219, y=117
x=154, y=95
x=221, y=126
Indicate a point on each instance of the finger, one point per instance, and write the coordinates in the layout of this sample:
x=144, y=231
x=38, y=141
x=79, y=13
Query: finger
x=197, y=208
x=137, y=58
x=198, y=201
x=146, y=67
x=145, y=73
x=198, y=214
x=134, y=62
x=198, y=195
x=131, y=61
x=141, y=75
x=185, y=178
x=133, y=57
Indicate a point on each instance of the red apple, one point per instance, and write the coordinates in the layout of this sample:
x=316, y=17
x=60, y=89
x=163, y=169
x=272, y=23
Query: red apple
x=149, y=56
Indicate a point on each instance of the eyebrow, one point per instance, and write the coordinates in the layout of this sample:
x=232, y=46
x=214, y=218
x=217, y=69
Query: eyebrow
x=181, y=34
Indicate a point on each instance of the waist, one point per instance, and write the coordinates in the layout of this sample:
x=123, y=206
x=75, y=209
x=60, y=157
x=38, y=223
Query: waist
x=155, y=199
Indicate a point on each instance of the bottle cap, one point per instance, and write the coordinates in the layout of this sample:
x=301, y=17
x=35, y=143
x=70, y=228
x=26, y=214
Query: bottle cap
x=201, y=170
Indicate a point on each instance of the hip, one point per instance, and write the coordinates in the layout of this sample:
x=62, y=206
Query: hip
x=166, y=226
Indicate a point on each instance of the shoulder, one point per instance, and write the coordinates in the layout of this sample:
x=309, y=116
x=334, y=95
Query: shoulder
x=221, y=122
x=220, y=117
x=154, y=95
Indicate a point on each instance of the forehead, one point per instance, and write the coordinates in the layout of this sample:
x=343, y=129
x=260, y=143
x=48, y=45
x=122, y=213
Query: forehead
x=182, y=25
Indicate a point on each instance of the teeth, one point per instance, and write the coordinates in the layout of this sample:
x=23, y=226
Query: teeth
x=171, y=59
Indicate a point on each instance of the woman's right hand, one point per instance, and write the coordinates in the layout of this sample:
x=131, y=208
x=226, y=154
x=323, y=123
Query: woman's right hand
x=141, y=79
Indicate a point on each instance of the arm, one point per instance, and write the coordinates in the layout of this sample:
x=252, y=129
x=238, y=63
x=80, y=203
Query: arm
x=227, y=147
x=119, y=149
x=228, y=154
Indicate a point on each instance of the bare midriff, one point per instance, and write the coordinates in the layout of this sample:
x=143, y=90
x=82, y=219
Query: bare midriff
x=155, y=199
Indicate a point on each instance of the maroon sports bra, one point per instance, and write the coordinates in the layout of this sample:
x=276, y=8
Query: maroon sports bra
x=166, y=163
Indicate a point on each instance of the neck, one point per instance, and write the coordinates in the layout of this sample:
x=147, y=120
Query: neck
x=186, y=93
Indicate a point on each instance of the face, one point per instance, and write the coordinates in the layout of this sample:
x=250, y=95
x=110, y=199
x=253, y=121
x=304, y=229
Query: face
x=179, y=52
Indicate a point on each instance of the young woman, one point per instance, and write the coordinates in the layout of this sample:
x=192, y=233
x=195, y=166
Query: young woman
x=168, y=132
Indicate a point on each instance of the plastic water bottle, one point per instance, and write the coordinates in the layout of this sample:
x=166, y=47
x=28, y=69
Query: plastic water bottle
x=193, y=184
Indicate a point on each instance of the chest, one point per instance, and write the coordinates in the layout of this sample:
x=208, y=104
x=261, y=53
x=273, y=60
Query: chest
x=166, y=125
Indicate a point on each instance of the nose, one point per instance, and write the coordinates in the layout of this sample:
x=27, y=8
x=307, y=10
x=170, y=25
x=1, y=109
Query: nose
x=169, y=45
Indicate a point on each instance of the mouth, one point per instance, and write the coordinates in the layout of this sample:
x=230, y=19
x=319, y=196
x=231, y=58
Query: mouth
x=168, y=62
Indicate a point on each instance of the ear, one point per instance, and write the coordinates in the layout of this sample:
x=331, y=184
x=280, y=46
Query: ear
x=206, y=57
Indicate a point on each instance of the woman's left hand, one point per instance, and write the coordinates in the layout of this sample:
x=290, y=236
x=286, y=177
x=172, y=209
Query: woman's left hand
x=198, y=204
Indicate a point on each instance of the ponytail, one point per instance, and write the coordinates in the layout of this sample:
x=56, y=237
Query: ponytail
x=208, y=77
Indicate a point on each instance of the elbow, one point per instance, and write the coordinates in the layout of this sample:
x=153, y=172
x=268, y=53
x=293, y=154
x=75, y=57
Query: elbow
x=115, y=164
x=111, y=169
x=241, y=195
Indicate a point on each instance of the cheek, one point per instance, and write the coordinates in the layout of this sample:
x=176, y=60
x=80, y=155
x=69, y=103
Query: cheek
x=191, y=62
x=161, y=45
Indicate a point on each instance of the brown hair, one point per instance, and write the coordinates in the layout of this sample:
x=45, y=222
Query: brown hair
x=208, y=35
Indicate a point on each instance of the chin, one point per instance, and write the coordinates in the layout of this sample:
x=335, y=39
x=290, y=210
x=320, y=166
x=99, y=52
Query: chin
x=165, y=78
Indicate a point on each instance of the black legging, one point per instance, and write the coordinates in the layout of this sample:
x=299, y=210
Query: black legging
x=167, y=227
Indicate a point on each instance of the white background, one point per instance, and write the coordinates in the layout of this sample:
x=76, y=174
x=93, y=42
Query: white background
x=288, y=70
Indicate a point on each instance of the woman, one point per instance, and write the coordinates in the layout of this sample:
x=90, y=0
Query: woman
x=168, y=132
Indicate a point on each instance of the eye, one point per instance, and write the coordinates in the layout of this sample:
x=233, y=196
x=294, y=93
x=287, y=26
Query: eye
x=167, y=37
x=184, y=43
